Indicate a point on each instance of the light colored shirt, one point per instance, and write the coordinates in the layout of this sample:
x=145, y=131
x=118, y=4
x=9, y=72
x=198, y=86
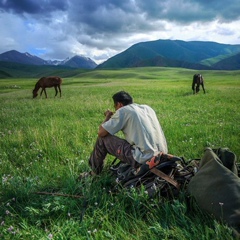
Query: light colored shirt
x=141, y=129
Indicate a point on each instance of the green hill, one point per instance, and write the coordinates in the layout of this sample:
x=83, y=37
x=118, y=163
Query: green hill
x=170, y=53
x=230, y=63
x=10, y=69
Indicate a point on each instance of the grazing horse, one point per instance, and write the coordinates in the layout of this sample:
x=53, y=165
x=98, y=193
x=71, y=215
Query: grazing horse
x=197, y=80
x=47, y=82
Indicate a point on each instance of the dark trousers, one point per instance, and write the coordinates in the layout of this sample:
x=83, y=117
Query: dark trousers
x=114, y=146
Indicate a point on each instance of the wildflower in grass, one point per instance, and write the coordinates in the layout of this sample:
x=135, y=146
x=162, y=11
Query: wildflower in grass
x=50, y=236
x=4, y=178
x=7, y=212
x=2, y=223
x=11, y=228
x=96, y=203
x=95, y=230
x=221, y=204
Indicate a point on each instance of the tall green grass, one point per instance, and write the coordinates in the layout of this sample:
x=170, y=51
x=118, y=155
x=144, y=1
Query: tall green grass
x=46, y=143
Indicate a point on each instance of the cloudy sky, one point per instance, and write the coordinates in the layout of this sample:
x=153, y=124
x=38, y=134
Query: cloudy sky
x=99, y=29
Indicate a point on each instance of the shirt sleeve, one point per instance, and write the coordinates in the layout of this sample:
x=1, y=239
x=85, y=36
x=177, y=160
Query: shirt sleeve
x=115, y=123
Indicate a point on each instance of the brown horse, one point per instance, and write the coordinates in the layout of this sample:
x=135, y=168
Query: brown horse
x=197, y=80
x=47, y=82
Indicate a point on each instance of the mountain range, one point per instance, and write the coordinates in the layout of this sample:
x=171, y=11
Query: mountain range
x=197, y=55
x=177, y=53
x=26, y=58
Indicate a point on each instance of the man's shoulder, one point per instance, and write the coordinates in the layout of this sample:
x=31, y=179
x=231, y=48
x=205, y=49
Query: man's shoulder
x=134, y=107
x=139, y=110
x=143, y=107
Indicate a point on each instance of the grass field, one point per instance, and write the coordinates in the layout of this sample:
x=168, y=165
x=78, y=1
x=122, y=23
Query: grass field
x=45, y=144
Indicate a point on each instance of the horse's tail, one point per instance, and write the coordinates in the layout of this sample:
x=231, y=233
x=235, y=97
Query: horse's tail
x=60, y=81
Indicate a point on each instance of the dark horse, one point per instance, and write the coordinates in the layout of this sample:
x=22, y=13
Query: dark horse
x=47, y=82
x=197, y=80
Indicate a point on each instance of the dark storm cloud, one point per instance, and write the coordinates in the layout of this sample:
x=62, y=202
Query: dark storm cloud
x=101, y=15
x=220, y=9
x=95, y=16
x=108, y=16
x=190, y=10
x=33, y=6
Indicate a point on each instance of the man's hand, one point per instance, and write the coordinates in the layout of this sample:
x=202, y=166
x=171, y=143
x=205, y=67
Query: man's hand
x=108, y=114
x=101, y=131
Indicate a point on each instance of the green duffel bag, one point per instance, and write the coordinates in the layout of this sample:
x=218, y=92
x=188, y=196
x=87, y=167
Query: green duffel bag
x=216, y=186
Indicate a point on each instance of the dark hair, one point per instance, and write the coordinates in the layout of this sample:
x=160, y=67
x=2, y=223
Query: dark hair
x=122, y=97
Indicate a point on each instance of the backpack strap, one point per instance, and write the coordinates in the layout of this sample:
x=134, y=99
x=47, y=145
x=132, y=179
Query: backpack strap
x=165, y=177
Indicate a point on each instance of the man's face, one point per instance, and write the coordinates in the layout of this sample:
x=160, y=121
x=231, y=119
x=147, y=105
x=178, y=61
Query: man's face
x=117, y=105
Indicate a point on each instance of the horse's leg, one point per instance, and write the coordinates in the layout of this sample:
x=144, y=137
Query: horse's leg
x=203, y=88
x=56, y=91
x=41, y=92
x=197, y=88
x=45, y=92
x=59, y=88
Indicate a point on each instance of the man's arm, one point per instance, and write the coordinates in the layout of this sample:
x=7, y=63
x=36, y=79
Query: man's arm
x=101, y=131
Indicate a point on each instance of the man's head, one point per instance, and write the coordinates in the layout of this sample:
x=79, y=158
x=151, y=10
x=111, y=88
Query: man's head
x=123, y=98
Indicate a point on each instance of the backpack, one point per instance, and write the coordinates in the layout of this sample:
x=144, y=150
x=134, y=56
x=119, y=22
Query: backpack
x=216, y=186
x=164, y=175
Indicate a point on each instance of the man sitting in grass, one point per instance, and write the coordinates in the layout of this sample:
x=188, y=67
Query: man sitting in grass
x=144, y=137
